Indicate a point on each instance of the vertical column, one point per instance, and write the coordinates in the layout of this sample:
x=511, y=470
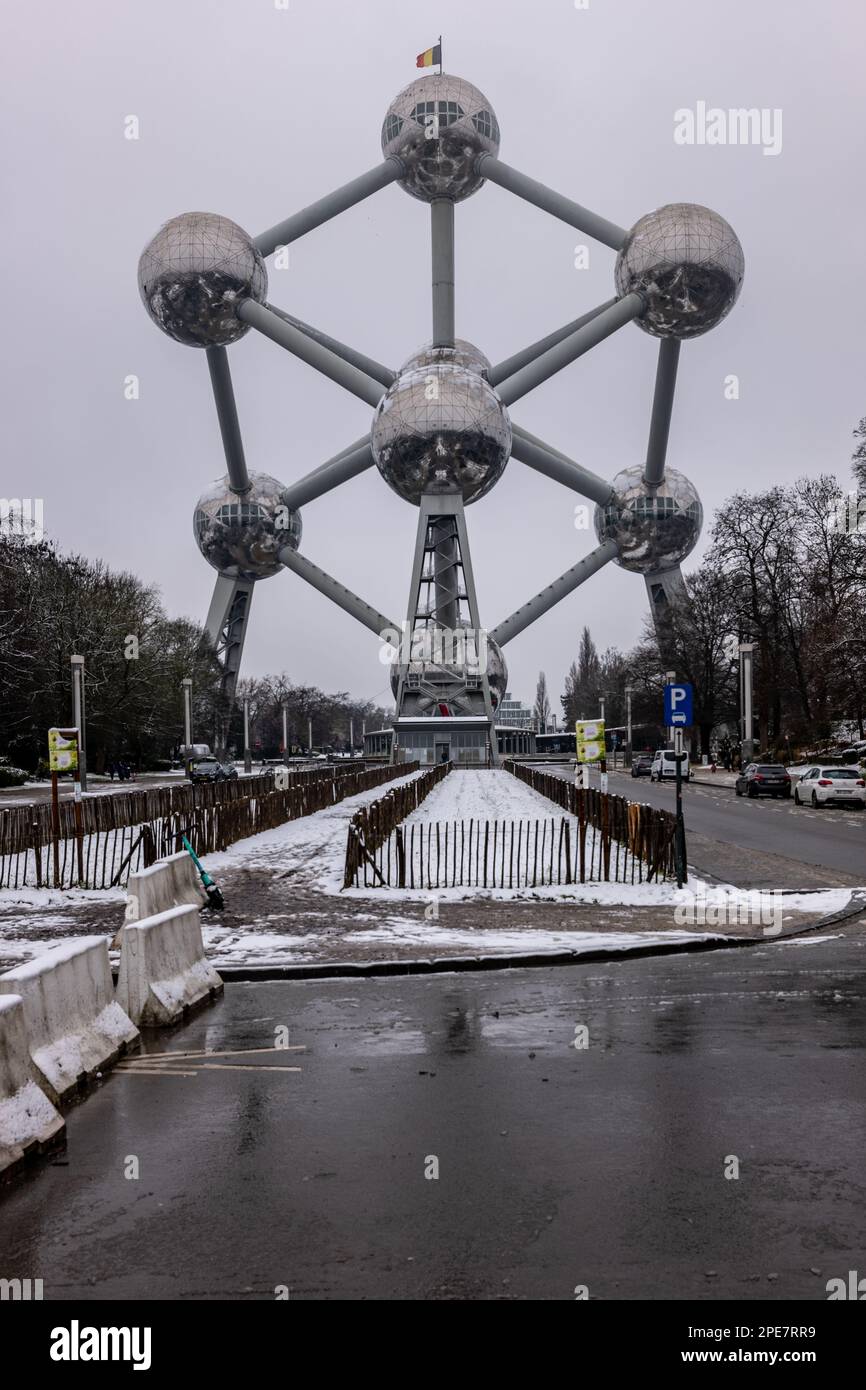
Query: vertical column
x=746, y=651
x=186, y=687
x=79, y=716
x=442, y=244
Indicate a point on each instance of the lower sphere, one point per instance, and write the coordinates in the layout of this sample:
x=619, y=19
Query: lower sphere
x=241, y=534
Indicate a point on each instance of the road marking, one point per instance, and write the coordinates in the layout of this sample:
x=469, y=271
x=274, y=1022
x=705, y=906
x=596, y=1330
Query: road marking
x=243, y=1066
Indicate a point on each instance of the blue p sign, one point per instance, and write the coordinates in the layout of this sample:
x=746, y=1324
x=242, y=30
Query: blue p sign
x=678, y=706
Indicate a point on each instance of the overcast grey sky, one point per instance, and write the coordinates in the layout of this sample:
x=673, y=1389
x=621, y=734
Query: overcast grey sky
x=254, y=112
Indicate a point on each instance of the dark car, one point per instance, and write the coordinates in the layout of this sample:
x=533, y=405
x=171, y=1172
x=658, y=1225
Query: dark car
x=211, y=770
x=641, y=764
x=763, y=779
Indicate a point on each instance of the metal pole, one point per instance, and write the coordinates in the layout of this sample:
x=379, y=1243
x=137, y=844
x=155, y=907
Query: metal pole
x=442, y=247
x=186, y=687
x=628, y=693
x=746, y=650
x=503, y=370
x=227, y=414
x=680, y=830
x=316, y=484
x=263, y=318
x=248, y=757
x=336, y=592
x=539, y=605
x=550, y=201
x=535, y=454
x=285, y=732
x=351, y=737
x=309, y=735
x=663, y=404
x=670, y=677
x=357, y=359
x=631, y=306
x=601, y=707
x=333, y=203
x=79, y=716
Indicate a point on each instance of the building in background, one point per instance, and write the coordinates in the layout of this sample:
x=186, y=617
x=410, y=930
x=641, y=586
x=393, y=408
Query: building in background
x=515, y=714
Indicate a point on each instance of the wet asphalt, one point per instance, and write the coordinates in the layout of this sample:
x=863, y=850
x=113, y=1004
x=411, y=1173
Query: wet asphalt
x=557, y=1167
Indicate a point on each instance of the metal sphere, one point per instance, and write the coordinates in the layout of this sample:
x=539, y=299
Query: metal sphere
x=241, y=534
x=688, y=263
x=192, y=275
x=461, y=354
x=447, y=676
x=437, y=127
x=654, y=528
x=440, y=428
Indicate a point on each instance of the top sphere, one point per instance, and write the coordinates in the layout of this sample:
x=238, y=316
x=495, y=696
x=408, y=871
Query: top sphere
x=688, y=264
x=437, y=127
x=192, y=275
x=461, y=354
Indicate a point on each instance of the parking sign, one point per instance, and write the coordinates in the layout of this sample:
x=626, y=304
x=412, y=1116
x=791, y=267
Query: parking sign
x=678, y=706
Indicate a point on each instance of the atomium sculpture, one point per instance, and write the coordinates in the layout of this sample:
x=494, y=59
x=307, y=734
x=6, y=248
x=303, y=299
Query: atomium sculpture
x=441, y=433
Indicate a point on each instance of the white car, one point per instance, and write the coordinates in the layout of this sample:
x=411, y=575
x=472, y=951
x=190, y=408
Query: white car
x=665, y=765
x=821, y=785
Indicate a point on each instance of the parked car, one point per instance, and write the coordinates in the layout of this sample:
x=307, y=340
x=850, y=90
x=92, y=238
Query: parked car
x=641, y=764
x=821, y=785
x=211, y=770
x=664, y=765
x=763, y=779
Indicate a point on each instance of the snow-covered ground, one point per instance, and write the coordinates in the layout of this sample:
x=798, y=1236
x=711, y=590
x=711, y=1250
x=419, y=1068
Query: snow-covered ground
x=308, y=855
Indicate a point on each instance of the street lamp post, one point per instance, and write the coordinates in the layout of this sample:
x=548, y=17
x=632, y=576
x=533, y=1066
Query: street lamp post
x=628, y=695
x=186, y=687
x=248, y=759
x=746, y=650
x=79, y=716
x=285, y=712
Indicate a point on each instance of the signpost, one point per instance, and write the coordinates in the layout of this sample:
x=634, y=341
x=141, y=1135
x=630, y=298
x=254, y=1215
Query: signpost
x=63, y=746
x=678, y=716
x=590, y=749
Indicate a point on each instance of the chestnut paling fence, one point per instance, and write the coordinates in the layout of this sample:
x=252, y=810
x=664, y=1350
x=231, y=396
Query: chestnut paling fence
x=602, y=838
x=120, y=833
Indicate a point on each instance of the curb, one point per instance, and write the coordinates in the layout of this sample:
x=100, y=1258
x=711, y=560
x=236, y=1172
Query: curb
x=443, y=965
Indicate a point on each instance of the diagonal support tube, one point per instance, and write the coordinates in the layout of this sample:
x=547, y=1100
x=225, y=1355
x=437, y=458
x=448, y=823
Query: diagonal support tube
x=631, y=306
x=564, y=585
x=263, y=318
x=227, y=414
x=330, y=475
x=535, y=454
x=550, y=201
x=337, y=593
x=366, y=364
x=505, y=369
x=663, y=403
x=333, y=203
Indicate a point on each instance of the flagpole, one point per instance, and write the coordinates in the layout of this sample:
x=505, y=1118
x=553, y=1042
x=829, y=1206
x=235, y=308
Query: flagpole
x=440, y=56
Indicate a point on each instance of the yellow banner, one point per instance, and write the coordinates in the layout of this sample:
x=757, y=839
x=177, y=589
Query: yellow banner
x=63, y=750
x=590, y=740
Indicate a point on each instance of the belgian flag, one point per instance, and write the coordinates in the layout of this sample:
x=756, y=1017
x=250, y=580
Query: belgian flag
x=429, y=57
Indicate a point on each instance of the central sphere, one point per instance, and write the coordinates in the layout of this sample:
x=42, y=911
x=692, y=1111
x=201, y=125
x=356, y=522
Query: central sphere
x=437, y=127
x=241, y=534
x=654, y=528
x=688, y=264
x=441, y=428
x=193, y=274
x=445, y=675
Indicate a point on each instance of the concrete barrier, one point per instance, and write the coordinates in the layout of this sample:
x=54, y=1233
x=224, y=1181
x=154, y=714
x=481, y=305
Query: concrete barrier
x=163, y=970
x=29, y=1122
x=167, y=883
x=75, y=1028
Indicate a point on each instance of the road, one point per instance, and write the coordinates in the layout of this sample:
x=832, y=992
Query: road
x=602, y=1167
x=832, y=839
